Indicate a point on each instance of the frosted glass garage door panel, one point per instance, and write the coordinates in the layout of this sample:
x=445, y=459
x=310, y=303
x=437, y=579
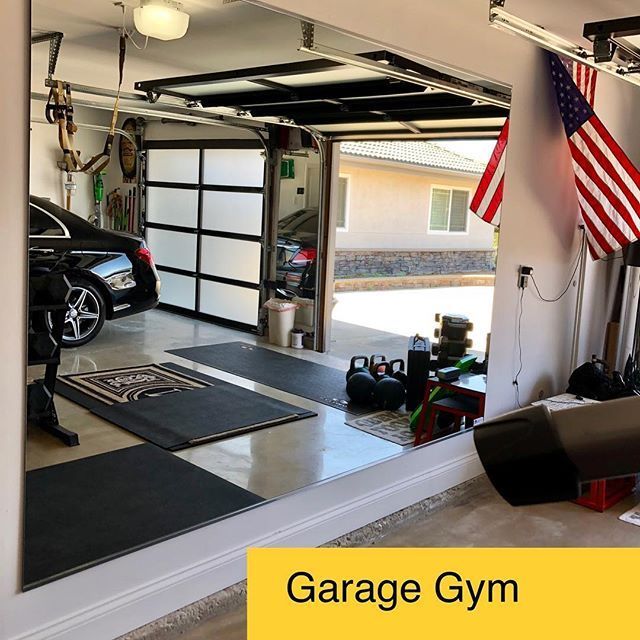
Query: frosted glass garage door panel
x=229, y=302
x=234, y=167
x=173, y=249
x=173, y=165
x=232, y=212
x=233, y=259
x=178, y=207
x=180, y=291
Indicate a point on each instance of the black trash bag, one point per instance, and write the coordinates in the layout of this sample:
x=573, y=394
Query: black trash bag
x=591, y=381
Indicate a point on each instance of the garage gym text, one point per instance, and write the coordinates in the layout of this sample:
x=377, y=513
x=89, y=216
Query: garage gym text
x=449, y=587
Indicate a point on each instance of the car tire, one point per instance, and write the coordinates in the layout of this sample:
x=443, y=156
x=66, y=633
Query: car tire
x=86, y=314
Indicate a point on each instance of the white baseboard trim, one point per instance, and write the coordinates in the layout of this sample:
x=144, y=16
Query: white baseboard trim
x=214, y=557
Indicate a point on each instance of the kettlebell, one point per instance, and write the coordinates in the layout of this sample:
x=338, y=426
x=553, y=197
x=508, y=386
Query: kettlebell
x=360, y=387
x=388, y=393
x=354, y=368
x=399, y=373
x=376, y=364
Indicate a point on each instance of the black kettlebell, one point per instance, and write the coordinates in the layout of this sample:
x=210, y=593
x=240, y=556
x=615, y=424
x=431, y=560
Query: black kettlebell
x=360, y=387
x=389, y=393
x=399, y=373
x=377, y=364
x=354, y=368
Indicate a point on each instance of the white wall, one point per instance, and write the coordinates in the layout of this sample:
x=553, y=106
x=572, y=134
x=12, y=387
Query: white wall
x=46, y=178
x=389, y=203
x=539, y=219
x=14, y=172
x=290, y=200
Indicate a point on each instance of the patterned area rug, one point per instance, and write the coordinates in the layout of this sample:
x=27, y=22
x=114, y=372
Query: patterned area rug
x=132, y=383
x=388, y=425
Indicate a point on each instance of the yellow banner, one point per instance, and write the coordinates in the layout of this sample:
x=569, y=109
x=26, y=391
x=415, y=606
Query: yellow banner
x=351, y=594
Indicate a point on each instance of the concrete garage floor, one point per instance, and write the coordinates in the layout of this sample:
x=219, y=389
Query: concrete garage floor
x=478, y=517
x=269, y=462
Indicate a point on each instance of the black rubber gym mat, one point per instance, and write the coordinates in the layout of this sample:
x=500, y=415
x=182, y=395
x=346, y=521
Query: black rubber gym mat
x=191, y=417
x=88, y=511
x=293, y=375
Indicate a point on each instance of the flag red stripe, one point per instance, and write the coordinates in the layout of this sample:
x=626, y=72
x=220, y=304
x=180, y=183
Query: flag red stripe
x=592, y=92
x=602, y=186
x=496, y=201
x=598, y=238
x=615, y=148
x=611, y=171
x=602, y=215
x=578, y=77
x=492, y=166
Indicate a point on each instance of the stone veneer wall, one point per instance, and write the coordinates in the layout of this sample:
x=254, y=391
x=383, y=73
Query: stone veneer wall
x=365, y=263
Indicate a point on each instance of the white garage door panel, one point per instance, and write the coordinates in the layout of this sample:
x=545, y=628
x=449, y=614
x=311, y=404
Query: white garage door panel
x=173, y=249
x=234, y=167
x=172, y=206
x=173, y=165
x=233, y=259
x=226, y=301
x=232, y=212
x=180, y=291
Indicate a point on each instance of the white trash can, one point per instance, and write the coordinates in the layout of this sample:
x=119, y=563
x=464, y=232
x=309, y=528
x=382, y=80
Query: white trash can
x=304, y=313
x=281, y=319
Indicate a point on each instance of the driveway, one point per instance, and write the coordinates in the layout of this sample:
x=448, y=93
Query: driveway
x=367, y=321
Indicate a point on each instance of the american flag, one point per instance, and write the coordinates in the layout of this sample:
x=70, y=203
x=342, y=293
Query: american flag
x=487, y=201
x=608, y=184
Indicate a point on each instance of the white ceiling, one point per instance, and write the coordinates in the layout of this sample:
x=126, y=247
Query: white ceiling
x=220, y=36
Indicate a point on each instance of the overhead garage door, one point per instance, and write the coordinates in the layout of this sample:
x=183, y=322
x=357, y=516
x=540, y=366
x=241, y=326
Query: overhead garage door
x=204, y=224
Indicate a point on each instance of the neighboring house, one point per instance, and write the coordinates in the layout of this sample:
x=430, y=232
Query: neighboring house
x=403, y=208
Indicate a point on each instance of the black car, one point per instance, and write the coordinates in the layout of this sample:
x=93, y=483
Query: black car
x=297, y=251
x=111, y=273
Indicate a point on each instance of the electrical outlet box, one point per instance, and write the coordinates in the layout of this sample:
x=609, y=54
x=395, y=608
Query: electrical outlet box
x=523, y=276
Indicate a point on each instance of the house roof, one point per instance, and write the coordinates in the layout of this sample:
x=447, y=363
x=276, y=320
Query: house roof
x=416, y=152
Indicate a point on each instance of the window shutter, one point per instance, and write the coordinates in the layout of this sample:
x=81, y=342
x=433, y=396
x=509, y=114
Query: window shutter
x=439, y=219
x=459, y=209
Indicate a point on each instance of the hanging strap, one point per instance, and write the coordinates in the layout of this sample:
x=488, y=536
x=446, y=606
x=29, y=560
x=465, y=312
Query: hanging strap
x=59, y=110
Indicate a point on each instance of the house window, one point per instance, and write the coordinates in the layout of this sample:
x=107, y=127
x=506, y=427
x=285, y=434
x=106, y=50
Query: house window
x=342, y=219
x=449, y=210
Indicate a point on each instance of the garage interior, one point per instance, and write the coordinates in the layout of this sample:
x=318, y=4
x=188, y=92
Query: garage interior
x=226, y=142
x=205, y=168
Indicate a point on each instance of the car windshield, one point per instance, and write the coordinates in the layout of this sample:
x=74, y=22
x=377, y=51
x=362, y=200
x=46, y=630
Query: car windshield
x=305, y=220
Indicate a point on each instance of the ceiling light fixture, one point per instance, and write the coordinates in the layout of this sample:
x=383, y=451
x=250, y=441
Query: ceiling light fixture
x=161, y=19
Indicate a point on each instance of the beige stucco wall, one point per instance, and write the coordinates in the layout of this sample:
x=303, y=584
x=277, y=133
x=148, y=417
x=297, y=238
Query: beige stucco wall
x=389, y=203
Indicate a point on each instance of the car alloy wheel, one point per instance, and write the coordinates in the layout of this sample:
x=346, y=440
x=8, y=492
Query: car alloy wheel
x=84, y=317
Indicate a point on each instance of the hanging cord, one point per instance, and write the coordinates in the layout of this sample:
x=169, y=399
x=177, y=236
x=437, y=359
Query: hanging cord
x=576, y=266
x=516, y=379
x=59, y=109
x=129, y=34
